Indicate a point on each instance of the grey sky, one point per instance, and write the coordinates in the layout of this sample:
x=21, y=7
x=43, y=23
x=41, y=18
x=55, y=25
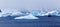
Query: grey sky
x=30, y=4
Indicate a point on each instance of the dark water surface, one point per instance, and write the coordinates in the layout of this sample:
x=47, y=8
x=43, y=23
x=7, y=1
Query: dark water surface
x=41, y=22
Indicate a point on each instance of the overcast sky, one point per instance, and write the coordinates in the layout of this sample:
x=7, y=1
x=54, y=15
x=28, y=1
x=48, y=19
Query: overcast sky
x=30, y=4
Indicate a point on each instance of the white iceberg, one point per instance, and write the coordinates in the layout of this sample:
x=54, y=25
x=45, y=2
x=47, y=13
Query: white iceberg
x=20, y=13
x=5, y=14
x=27, y=14
x=56, y=13
x=12, y=13
x=30, y=16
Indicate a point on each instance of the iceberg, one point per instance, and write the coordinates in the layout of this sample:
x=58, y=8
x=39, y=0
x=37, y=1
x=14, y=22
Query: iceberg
x=20, y=13
x=30, y=16
x=27, y=14
x=5, y=15
x=52, y=13
x=35, y=13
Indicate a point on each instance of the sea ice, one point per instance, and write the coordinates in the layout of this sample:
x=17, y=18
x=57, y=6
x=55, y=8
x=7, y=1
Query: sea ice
x=30, y=16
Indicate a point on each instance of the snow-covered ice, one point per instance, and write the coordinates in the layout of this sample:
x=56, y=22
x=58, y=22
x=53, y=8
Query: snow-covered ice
x=56, y=13
x=30, y=16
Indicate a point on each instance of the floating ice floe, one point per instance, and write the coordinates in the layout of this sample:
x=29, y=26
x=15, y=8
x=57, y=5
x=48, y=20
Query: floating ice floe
x=30, y=16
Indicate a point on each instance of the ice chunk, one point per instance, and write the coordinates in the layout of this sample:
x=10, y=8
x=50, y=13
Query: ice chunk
x=16, y=13
x=20, y=13
x=0, y=14
x=5, y=15
x=55, y=13
x=25, y=12
x=27, y=17
x=35, y=13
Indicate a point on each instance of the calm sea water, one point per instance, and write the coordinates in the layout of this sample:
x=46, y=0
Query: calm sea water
x=41, y=22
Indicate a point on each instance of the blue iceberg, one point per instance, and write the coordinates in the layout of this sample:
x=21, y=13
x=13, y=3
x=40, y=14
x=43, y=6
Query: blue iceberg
x=35, y=13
